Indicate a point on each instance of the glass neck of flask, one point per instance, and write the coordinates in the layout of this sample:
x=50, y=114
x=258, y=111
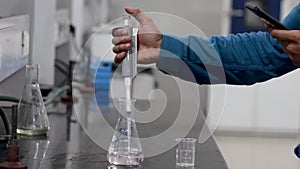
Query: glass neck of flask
x=32, y=73
x=123, y=107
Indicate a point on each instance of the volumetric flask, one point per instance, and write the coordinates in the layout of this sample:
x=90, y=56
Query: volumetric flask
x=32, y=115
x=125, y=147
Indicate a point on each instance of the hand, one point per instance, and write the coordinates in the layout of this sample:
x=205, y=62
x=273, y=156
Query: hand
x=290, y=40
x=149, y=39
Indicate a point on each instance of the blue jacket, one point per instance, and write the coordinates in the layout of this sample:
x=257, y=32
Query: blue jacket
x=240, y=59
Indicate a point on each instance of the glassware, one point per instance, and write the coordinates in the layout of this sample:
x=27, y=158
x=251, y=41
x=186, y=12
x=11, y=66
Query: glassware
x=123, y=167
x=36, y=151
x=185, y=152
x=32, y=115
x=125, y=148
x=181, y=167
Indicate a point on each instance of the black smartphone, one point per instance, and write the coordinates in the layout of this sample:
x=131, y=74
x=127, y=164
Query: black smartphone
x=265, y=17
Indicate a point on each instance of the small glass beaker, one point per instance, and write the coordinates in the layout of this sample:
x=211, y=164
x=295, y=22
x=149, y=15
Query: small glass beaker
x=32, y=115
x=185, y=152
x=125, y=147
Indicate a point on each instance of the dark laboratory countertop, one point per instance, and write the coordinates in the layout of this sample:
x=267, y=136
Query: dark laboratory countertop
x=69, y=146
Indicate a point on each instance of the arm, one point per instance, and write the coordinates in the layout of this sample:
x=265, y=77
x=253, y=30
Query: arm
x=236, y=59
x=246, y=58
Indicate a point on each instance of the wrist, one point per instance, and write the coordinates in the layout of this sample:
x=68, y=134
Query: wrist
x=158, y=47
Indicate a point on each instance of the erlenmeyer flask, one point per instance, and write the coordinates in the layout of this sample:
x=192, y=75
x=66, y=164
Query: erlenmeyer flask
x=125, y=148
x=32, y=115
x=35, y=150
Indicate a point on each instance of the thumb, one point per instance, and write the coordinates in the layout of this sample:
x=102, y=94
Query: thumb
x=137, y=14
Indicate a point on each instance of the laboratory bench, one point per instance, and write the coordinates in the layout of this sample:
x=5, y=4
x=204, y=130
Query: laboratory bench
x=76, y=133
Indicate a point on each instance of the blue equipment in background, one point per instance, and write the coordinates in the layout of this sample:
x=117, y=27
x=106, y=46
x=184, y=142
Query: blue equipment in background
x=102, y=72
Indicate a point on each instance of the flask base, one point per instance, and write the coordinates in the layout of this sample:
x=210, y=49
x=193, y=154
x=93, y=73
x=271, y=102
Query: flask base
x=128, y=159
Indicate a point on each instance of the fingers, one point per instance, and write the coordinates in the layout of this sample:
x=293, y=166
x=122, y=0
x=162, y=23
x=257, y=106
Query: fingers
x=119, y=57
x=284, y=43
x=121, y=51
x=121, y=40
x=290, y=40
x=119, y=32
x=138, y=14
x=293, y=49
x=121, y=48
x=284, y=34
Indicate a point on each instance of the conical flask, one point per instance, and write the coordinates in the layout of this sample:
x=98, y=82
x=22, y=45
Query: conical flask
x=125, y=148
x=32, y=115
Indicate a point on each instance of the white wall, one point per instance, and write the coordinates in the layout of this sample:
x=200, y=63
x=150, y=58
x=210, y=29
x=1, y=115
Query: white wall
x=42, y=45
x=208, y=15
x=272, y=106
x=286, y=6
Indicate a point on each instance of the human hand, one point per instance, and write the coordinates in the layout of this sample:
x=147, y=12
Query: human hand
x=149, y=39
x=290, y=40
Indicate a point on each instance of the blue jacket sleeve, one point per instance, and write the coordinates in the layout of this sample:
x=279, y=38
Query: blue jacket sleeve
x=241, y=59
